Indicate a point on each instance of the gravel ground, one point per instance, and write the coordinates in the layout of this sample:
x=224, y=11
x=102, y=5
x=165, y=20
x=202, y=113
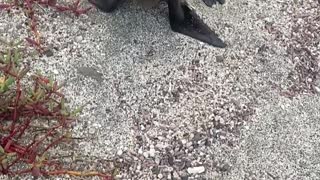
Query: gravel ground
x=164, y=106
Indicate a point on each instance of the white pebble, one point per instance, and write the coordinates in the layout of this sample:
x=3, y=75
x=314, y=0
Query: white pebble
x=152, y=152
x=119, y=153
x=79, y=38
x=160, y=176
x=183, y=141
x=196, y=170
x=157, y=160
x=146, y=154
x=92, y=131
x=55, y=71
x=176, y=175
x=189, y=144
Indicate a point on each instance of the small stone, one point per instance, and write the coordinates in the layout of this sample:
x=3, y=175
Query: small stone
x=142, y=127
x=138, y=167
x=189, y=144
x=48, y=52
x=155, y=170
x=219, y=59
x=196, y=170
x=317, y=89
x=161, y=138
x=175, y=175
x=225, y=168
x=119, y=153
x=146, y=154
x=79, y=38
x=83, y=28
x=19, y=26
x=161, y=146
x=55, y=71
x=157, y=160
x=92, y=131
x=118, y=176
x=215, y=175
x=197, y=137
x=170, y=160
x=90, y=72
x=152, y=152
x=169, y=169
x=160, y=176
x=222, y=121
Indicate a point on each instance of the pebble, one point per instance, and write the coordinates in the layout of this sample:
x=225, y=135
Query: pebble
x=175, y=175
x=317, y=89
x=119, y=153
x=152, y=152
x=161, y=145
x=92, y=130
x=142, y=128
x=146, y=154
x=225, y=168
x=183, y=141
x=196, y=170
x=79, y=38
x=189, y=144
x=160, y=176
x=55, y=71
x=48, y=52
x=157, y=160
x=219, y=59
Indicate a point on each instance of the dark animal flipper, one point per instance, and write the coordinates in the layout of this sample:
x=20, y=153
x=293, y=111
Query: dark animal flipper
x=105, y=5
x=211, y=2
x=191, y=25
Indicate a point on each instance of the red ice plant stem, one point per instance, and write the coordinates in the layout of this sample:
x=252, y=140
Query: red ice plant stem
x=28, y=6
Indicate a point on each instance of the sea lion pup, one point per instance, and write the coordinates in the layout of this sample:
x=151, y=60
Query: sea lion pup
x=182, y=19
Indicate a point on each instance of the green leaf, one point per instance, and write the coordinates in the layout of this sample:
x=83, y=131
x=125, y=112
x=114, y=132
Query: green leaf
x=8, y=57
x=1, y=150
x=39, y=94
x=5, y=86
x=9, y=81
x=17, y=56
x=51, y=82
x=78, y=110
